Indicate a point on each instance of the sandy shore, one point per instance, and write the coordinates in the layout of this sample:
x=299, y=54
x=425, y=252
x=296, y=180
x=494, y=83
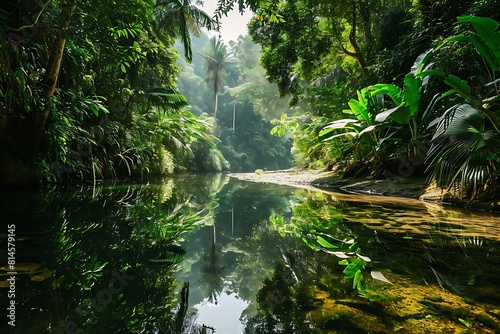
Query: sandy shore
x=416, y=188
x=291, y=177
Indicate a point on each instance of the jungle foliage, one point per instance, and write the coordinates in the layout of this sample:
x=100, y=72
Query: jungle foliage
x=243, y=102
x=418, y=79
x=90, y=93
x=88, y=90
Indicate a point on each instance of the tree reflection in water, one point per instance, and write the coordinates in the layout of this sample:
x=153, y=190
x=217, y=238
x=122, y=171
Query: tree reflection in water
x=287, y=275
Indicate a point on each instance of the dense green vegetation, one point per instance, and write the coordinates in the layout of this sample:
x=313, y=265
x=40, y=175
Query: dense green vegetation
x=418, y=78
x=88, y=90
x=92, y=90
x=245, y=105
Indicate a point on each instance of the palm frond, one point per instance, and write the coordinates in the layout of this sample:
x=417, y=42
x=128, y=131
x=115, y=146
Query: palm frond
x=180, y=18
x=461, y=149
x=166, y=97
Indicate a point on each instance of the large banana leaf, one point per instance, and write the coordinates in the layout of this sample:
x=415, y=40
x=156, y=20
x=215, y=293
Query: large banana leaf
x=421, y=63
x=359, y=110
x=329, y=132
x=481, y=47
x=411, y=93
x=399, y=114
x=407, y=101
x=486, y=42
x=487, y=29
x=393, y=91
x=341, y=124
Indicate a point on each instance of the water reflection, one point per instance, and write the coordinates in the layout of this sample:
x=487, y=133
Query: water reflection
x=192, y=254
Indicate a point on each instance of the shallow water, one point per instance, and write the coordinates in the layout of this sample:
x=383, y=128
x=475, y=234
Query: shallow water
x=179, y=254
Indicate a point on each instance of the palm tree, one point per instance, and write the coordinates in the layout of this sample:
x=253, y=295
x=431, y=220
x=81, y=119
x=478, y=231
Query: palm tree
x=216, y=57
x=180, y=18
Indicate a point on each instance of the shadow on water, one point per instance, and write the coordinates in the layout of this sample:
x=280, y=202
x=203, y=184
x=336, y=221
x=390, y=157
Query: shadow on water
x=204, y=254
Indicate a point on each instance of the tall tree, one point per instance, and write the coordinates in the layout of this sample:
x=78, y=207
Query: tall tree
x=75, y=76
x=54, y=65
x=181, y=19
x=216, y=57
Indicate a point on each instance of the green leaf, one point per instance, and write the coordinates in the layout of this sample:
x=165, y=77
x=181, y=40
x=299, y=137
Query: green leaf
x=367, y=129
x=349, y=135
x=353, y=267
x=487, y=31
x=338, y=254
x=359, y=110
x=431, y=72
x=364, y=258
x=467, y=323
x=411, y=93
x=323, y=242
x=481, y=48
x=461, y=87
x=311, y=244
x=358, y=278
x=379, y=276
x=393, y=91
x=94, y=110
x=340, y=124
x=421, y=61
x=400, y=115
x=98, y=267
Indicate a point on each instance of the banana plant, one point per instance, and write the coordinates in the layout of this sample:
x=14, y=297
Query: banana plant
x=372, y=110
x=407, y=110
x=365, y=127
x=341, y=244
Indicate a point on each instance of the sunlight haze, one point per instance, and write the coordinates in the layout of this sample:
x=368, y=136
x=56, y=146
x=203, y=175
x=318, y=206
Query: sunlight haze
x=232, y=25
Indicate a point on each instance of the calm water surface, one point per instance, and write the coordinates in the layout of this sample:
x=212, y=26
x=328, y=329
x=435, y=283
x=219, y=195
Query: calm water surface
x=193, y=254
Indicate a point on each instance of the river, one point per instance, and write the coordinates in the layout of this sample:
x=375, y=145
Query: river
x=213, y=254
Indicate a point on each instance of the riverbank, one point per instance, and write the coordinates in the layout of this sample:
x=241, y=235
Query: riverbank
x=403, y=187
x=416, y=188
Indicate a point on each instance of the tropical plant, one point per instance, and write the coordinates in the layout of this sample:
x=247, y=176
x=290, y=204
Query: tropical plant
x=367, y=132
x=407, y=110
x=216, y=57
x=467, y=136
x=461, y=150
x=182, y=18
x=101, y=124
x=136, y=246
x=463, y=144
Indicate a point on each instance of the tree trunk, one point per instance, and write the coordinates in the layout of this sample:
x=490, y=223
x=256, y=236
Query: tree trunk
x=216, y=100
x=364, y=9
x=21, y=139
x=358, y=55
x=53, y=68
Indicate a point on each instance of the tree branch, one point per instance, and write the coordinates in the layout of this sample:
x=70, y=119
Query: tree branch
x=36, y=20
